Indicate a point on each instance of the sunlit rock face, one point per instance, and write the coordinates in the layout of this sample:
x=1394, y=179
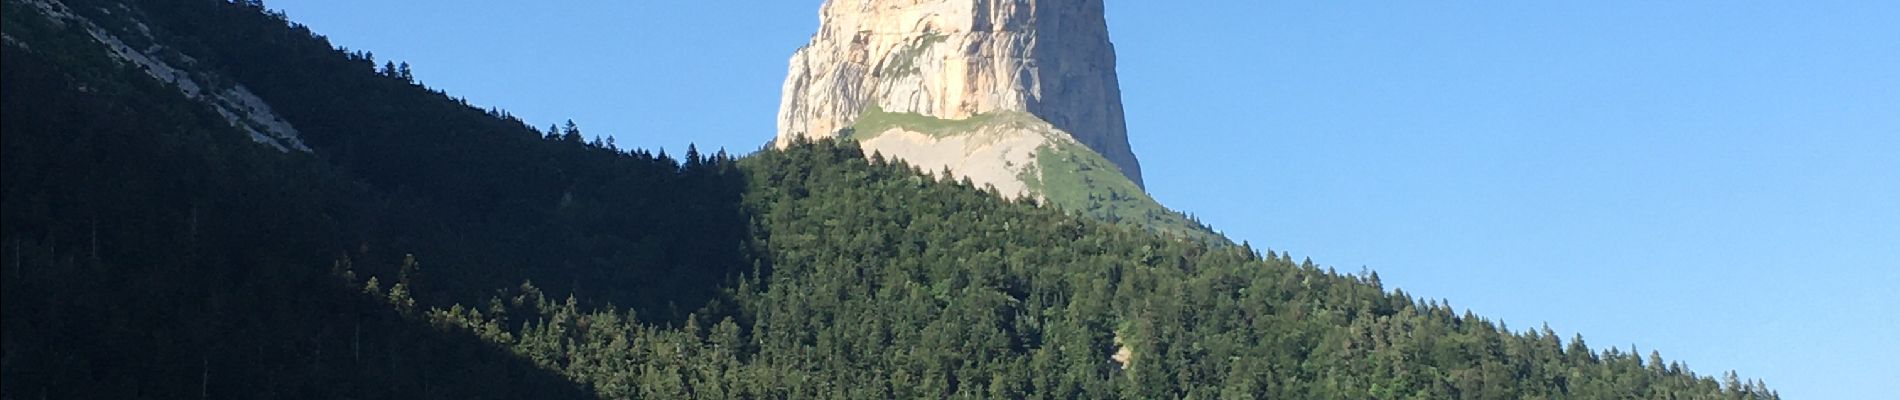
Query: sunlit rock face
x=954, y=60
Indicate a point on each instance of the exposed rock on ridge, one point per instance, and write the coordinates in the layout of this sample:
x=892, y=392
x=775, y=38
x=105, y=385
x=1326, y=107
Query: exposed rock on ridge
x=239, y=106
x=955, y=60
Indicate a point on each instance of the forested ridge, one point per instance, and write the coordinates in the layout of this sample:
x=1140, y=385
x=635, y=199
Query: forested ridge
x=428, y=249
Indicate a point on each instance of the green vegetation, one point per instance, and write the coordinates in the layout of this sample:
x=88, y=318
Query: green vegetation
x=1067, y=174
x=904, y=63
x=432, y=250
x=874, y=121
x=1073, y=177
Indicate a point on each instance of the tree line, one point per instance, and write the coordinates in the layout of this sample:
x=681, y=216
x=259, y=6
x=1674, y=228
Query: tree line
x=431, y=249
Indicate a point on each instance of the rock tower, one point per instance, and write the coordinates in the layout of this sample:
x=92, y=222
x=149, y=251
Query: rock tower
x=978, y=86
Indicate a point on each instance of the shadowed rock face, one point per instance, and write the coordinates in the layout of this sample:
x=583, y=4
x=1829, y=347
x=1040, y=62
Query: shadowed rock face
x=959, y=59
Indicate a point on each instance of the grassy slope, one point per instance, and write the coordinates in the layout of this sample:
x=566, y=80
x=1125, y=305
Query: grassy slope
x=1068, y=174
x=1074, y=177
x=875, y=121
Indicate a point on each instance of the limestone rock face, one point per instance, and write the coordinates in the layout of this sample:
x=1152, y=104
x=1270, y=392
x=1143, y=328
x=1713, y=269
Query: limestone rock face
x=954, y=60
x=242, y=108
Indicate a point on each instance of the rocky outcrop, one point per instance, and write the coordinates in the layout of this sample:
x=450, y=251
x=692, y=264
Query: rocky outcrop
x=1019, y=95
x=957, y=60
x=243, y=109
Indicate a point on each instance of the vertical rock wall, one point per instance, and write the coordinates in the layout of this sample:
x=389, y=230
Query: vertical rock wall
x=956, y=59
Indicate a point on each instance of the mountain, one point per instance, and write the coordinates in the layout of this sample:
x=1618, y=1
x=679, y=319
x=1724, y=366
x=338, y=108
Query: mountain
x=1021, y=95
x=157, y=247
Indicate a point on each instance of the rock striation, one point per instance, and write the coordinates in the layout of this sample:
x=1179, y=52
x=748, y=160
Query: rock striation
x=938, y=63
x=242, y=108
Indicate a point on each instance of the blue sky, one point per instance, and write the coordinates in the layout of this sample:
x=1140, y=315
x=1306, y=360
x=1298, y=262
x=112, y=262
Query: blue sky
x=1719, y=180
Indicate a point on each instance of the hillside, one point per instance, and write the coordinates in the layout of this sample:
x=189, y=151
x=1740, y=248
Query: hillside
x=157, y=247
x=1017, y=95
x=1041, y=161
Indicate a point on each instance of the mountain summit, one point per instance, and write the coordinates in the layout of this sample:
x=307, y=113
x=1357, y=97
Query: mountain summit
x=1020, y=95
x=978, y=86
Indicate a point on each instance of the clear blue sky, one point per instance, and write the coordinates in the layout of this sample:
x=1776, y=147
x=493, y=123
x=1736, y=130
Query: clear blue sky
x=1719, y=180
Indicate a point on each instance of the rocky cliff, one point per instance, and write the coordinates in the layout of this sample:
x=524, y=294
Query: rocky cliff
x=977, y=86
x=236, y=103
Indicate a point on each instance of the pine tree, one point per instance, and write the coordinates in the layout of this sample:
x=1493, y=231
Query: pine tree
x=410, y=272
x=572, y=132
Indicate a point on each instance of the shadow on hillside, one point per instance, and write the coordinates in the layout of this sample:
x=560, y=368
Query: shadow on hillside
x=151, y=251
x=481, y=201
x=628, y=230
x=77, y=328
